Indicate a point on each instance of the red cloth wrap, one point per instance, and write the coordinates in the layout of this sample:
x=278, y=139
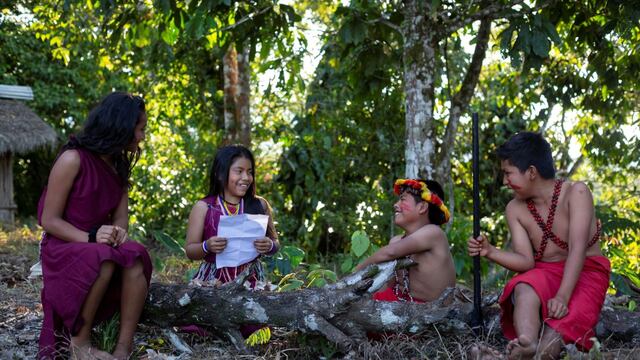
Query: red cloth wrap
x=584, y=306
x=389, y=295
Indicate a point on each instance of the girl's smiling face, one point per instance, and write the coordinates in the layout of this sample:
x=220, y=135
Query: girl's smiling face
x=240, y=179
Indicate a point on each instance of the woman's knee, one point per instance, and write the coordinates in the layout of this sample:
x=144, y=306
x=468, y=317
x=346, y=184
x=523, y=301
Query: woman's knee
x=137, y=270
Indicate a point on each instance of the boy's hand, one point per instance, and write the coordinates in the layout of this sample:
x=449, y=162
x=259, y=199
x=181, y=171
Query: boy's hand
x=216, y=244
x=478, y=246
x=263, y=245
x=557, y=308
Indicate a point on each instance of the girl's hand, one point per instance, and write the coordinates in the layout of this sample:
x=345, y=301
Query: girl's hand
x=216, y=244
x=263, y=245
x=478, y=246
x=106, y=234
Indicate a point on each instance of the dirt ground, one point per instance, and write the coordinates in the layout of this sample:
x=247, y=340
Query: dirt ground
x=21, y=318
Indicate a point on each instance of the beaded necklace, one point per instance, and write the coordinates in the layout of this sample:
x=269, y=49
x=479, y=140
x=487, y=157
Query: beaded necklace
x=547, y=232
x=239, y=209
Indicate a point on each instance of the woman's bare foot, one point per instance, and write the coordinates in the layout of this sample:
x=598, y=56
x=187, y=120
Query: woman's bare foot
x=484, y=352
x=521, y=348
x=87, y=352
x=122, y=351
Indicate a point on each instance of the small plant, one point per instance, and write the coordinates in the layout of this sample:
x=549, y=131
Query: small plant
x=259, y=337
x=106, y=334
x=361, y=247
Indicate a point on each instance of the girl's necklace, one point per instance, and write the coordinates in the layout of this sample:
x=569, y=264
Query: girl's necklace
x=230, y=209
x=234, y=208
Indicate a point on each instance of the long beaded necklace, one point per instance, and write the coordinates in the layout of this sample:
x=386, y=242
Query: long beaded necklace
x=547, y=232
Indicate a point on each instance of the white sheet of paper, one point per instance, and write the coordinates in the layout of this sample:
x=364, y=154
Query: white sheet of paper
x=241, y=231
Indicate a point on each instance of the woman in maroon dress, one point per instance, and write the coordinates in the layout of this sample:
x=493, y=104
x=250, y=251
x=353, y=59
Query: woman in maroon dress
x=91, y=269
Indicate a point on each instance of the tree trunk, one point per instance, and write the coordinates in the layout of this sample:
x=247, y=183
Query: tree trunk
x=419, y=58
x=237, y=115
x=340, y=311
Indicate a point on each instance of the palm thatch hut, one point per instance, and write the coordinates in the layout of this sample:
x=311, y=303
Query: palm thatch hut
x=21, y=131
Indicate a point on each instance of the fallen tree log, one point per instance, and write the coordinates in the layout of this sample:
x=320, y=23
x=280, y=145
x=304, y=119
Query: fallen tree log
x=340, y=312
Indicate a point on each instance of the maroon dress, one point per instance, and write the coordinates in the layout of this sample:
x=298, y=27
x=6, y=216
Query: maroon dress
x=70, y=268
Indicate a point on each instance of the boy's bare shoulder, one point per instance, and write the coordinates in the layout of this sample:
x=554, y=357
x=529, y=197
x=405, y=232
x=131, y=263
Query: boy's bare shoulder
x=432, y=232
x=515, y=205
x=577, y=188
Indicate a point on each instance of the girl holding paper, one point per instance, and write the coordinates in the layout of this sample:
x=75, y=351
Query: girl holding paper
x=232, y=192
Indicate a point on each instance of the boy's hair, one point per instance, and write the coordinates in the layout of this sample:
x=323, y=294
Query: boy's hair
x=526, y=149
x=219, y=174
x=109, y=129
x=436, y=216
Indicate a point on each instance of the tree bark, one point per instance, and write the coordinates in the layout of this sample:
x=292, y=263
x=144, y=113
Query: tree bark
x=341, y=312
x=419, y=58
x=237, y=114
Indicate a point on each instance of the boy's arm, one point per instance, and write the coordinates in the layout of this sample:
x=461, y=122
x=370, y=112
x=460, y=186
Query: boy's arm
x=421, y=240
x=518, y=260
x=580, y=215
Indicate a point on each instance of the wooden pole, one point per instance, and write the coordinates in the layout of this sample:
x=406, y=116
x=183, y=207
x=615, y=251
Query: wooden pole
x=477, y=323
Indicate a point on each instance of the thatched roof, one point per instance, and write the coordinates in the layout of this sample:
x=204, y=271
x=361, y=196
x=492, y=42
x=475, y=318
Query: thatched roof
x=21, y=130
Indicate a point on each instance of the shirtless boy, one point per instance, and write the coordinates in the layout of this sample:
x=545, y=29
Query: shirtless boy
x=419, y=212
x=563, y=277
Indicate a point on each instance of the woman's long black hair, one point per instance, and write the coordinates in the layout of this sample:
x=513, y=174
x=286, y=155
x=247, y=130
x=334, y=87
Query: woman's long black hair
x=109, y=129
x=219, y=174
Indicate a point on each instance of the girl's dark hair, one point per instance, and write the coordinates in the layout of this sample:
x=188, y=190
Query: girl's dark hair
x=219, y=174
x=526, y=149
x=436, y=216
x=109, y=129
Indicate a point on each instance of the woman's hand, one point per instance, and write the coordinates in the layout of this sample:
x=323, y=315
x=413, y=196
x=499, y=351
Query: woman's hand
x=263, y=245
x=216, y=244
x=106, y=234
x=478, y=246
x=121, y=236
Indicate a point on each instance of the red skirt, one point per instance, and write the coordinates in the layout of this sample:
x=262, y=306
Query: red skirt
x=389, y=295
x=584, y=306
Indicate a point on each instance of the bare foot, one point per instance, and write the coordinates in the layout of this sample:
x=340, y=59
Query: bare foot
x=484, y=352
x=122, y=351
x=521, y=348
x=88, y=352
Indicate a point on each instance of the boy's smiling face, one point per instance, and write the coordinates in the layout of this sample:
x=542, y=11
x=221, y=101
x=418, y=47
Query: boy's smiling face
x=514, y=179
x=407, y=209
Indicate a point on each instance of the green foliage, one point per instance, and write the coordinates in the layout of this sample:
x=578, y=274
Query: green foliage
x=170, y=243
x=106, y=334
x=328, y=151
x=258, y=337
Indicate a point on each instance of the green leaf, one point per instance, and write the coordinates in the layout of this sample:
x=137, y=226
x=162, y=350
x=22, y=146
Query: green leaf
x=359, y=243
x=551, y=31
x=347, y=265
x=294, y=284
x=170, y=34
x=170, y=243
x=258, y=337
x=540, y=44
x=295, y=255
